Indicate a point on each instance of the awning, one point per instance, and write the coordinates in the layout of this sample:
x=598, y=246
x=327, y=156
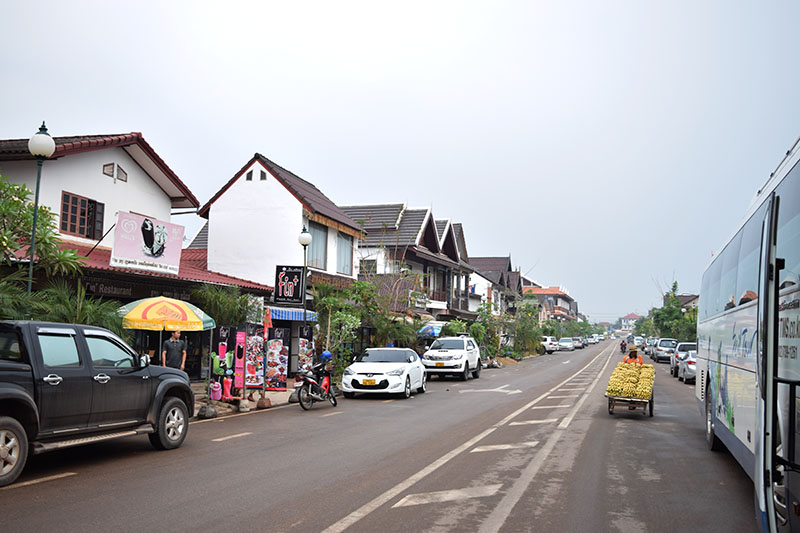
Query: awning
x=290, y=313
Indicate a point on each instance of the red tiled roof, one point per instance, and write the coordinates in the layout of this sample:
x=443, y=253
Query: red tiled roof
x=17, y=149
x=544, y=290
x=193, y=267
x=631, y=316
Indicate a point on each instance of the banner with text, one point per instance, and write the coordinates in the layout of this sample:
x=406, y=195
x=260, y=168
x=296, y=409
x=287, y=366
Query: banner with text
x=144, y=243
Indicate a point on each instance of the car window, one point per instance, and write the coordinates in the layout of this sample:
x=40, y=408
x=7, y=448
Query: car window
x=668, y=344
x=470, y=345
x=59, y=351
x=107, y=354
x=685, y=347
x=9, y=346
x=383, y=356
x=448, y=344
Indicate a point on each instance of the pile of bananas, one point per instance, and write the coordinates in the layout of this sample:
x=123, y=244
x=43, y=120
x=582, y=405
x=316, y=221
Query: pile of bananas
x=631, y=381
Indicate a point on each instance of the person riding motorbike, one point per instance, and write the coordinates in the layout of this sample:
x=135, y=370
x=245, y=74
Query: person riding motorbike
x=623, y=346
x=633, y=357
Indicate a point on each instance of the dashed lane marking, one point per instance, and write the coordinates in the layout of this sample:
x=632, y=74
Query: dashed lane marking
x=448, y=495
x=37, y=481
x=231, y=437
x=528, y=422
x=564, y=396
x=494, y=447
x=332, y=414
x=572, y=389
x=551, y=406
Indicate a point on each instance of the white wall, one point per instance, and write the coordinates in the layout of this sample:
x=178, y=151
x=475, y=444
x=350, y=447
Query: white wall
x=253, y=227
x=82, y=174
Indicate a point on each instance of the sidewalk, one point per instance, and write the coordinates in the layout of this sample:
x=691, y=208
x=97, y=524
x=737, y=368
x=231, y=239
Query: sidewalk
x=224, y=408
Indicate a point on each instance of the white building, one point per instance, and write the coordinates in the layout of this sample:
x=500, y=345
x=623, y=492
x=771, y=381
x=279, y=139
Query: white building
x=255, y=218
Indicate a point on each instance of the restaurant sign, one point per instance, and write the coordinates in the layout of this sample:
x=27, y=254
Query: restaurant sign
x=144, y=243
x=289, y=286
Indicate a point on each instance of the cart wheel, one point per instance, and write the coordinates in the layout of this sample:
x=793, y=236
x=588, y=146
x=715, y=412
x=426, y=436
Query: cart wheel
x=610, y=407
x=651, y=406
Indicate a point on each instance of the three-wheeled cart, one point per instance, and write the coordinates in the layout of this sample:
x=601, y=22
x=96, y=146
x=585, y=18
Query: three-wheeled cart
x=630, y=404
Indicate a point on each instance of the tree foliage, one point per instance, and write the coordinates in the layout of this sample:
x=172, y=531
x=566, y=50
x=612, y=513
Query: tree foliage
x=225, y=304
x=672, y=321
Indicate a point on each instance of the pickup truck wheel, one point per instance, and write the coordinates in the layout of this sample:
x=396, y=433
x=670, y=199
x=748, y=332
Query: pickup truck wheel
x=173, y=422
x=13, y=450
x=477, y=372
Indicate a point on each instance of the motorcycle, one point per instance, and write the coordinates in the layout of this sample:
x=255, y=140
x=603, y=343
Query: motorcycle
x=623, y=349
x=313, y=389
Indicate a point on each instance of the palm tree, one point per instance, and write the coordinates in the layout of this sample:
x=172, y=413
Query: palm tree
x=225, y=304
x=60, y=302
x=15, y=304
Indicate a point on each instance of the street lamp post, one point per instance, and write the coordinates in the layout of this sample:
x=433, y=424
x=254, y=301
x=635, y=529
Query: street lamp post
x=304, y=239
x=41, y=146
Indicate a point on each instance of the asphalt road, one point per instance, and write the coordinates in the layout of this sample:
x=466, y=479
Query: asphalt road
x=530, y=447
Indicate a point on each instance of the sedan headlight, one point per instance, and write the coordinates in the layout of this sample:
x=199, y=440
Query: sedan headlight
x=458, y=356
x=396, y=372
x=348, y=371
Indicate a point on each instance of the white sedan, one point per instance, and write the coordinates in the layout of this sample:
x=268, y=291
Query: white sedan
x=382, y=370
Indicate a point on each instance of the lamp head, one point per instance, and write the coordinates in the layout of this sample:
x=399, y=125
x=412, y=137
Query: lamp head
x=41, y=145
x=304, y=238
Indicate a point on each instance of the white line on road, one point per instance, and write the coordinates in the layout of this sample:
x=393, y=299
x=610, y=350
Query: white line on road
x=573, y=389
x=502, y=389
x=567, y=419
x=494, y=447
x=448, y=495
x=332, y=414
x=528, y=422
x=551, y=406
x=565, y=362
x=231, y=437
x=37, y=481
x=564, y=396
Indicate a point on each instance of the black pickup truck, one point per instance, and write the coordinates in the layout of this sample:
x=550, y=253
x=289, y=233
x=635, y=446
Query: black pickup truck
x=68, y=384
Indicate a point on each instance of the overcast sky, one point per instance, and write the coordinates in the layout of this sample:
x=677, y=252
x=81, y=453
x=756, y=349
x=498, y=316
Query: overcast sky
x=609, y=146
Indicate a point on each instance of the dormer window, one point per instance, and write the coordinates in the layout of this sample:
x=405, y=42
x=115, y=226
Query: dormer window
x=249, y=176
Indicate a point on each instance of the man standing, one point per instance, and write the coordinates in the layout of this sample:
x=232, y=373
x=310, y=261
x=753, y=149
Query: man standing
x=173, y=351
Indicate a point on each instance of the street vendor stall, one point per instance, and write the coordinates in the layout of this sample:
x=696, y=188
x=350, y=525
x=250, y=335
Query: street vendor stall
x=631, y=388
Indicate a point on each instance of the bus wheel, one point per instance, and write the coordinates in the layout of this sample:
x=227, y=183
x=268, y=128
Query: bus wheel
x=712, y=441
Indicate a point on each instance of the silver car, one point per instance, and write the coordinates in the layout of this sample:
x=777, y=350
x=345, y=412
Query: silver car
x=687, y=367
x=680, y=353
x=566, y=343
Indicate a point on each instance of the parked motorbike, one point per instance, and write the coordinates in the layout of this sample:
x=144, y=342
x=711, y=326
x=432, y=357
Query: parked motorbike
x=314, y=385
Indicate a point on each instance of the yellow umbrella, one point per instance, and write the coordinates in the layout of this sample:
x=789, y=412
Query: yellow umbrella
x=162, y=313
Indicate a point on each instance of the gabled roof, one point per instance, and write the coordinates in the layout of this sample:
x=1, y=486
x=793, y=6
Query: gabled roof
x=394, y=225
x=547, y=291
x=631, y=316
x=200, y=241
x=491, y=264
x=133, y=143
x=461, y=241
x=312, y=199
x=441, y=226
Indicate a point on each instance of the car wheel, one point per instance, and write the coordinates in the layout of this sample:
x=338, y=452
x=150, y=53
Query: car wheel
x=423, y=387
x=477, y=372
x=173, y=423
x=465, y=374
x=713, y=443
x=349, y=395
x=13, y=450
x=407, y=389
x=680, y=377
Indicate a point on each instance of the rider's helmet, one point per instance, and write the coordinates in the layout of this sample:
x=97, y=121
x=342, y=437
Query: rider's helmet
x=326, y=356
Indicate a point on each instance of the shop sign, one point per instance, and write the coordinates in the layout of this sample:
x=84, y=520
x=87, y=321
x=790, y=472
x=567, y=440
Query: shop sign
x=289, y=284
x=144, y=243
x=277, y=358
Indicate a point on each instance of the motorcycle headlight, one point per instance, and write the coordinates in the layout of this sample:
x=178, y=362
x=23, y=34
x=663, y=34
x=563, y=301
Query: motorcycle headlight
x=348, y=371
x=396, y=372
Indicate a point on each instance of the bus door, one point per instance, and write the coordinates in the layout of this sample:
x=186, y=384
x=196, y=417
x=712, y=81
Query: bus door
x=781, y=322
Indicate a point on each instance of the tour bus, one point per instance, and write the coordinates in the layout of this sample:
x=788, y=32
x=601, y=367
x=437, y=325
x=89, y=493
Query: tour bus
x=748, y=332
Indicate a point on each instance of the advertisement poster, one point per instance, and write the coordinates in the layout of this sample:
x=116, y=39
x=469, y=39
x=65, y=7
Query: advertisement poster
x=254, y=359
x=277, y=358
x=238, y=360
x=144, y=243
x=305, y=351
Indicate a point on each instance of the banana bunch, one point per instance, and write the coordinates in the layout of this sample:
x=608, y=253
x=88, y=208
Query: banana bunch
x=631, y=381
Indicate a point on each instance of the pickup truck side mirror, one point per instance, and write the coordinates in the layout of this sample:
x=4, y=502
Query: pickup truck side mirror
x=144, y=360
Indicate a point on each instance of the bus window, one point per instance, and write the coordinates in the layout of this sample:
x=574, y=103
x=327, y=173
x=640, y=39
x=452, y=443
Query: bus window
x=749, y=256
x=712, y=297
x=789, y=228
x=730, y=260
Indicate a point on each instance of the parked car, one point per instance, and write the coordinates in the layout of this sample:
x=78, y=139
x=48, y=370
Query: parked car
x=649, y=342
x=456, y=356
x=550, y=344
x=681, y=351
x=578, y=341
x=687, y=368
x=68, y=384
x=639, y=342
x=591, y=339
x=382, y=370
x=663, y=349
x=566, y=343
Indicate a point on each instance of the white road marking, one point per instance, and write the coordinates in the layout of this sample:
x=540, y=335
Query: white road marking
x=37, y=481
x=497, y=518
x=528, y=422
x=494, y=447
x=565, y=362
x=448, y=495
x=231, y=437
x=551, y=406
x=567, y=419
x=252, y=412
x=572, y=389
x=371, y=506
x=366, y=509
x=564, y=396
x=332, y=414
x=498, y=389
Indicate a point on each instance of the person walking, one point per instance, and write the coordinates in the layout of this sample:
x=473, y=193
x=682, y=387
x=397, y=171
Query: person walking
x=173, y=351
